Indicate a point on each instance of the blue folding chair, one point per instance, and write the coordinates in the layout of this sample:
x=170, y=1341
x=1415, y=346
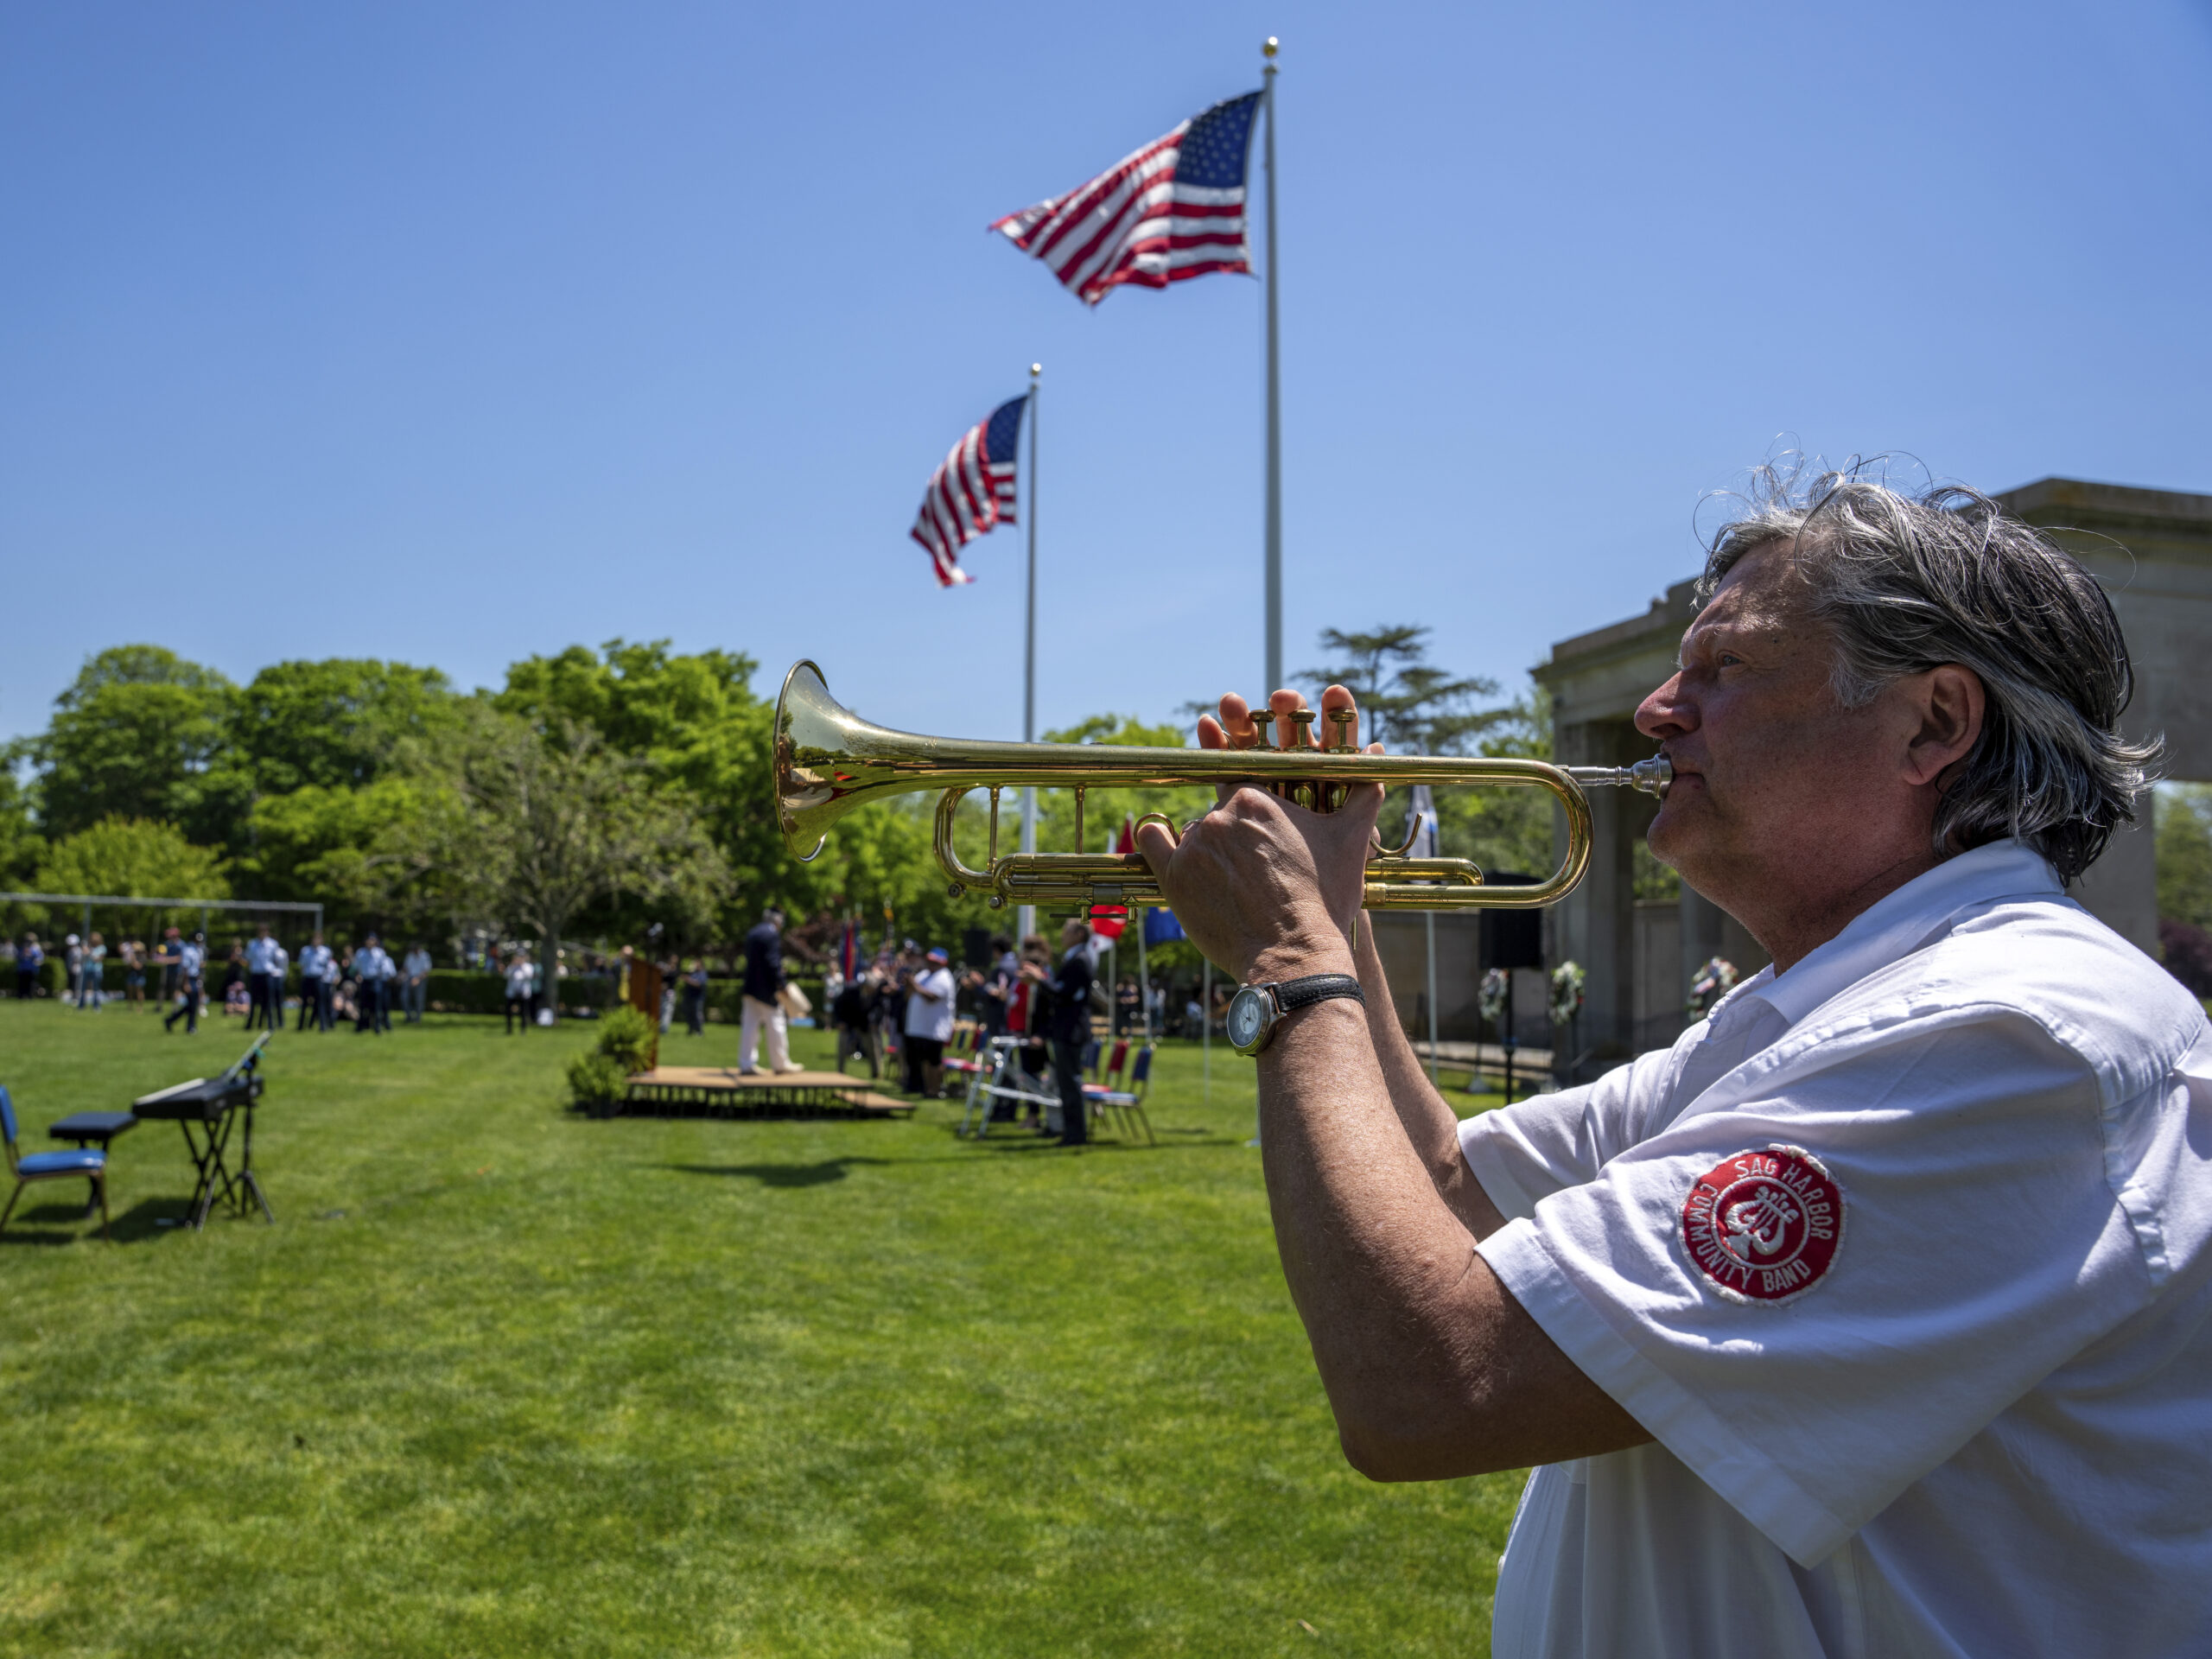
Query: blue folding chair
x=1128, y=1104
x=81, y=1165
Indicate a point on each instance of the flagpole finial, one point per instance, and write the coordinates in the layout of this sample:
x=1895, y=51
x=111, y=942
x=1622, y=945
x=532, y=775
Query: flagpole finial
x=1036, y=369
x=1270, y=49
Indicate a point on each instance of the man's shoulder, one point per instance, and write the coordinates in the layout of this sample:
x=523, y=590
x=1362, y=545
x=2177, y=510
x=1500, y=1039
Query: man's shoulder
x=2048, y=961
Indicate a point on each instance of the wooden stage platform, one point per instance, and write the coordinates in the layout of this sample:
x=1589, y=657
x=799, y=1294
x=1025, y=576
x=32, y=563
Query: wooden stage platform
x=718, y=1091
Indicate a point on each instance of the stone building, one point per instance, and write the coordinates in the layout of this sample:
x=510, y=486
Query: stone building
x=2151, y=548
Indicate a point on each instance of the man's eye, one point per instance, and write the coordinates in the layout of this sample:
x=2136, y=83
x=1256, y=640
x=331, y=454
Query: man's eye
x=1729, y=658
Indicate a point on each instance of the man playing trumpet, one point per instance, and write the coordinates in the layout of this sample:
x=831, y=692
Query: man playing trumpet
x=1872, y=1317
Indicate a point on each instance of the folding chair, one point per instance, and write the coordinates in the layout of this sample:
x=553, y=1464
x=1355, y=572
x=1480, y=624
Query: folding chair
x=82, y=1165
x=1116, y=1060
x=1007, y=1078
x=1125, y=1102
x=961, y=1060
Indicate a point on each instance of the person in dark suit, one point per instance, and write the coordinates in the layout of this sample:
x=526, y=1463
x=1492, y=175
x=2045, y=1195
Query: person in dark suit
x=1070, y=1024
x=762, y=1005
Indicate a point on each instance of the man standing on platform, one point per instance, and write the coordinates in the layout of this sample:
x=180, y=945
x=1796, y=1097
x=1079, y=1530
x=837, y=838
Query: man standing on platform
x=762, y=1005
x=317, y=972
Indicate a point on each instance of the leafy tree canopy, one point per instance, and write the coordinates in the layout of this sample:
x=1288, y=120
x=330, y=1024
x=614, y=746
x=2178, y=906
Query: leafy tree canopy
x=2183, y=853
x=335, y=724
x=133, y=858
x=351, y=849
x=132, y=737
x=695, y=721
x=1406, y=702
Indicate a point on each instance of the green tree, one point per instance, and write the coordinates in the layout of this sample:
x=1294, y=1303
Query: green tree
x=134, y=736
x=1406, y=703
x=2184, y=852
x=359, y=852
x=132, y=858
x=551, y=822
x=695, y=724
x=20, y=844
x=339, y=723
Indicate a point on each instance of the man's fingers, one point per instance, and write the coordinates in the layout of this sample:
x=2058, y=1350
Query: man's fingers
x=1236, y=722
x=1211, y=734
x=1335, y=701
x=1158, y=848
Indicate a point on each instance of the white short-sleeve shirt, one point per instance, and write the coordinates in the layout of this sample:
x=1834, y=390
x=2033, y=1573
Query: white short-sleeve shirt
x=927, y=1018
x=1901, y=1258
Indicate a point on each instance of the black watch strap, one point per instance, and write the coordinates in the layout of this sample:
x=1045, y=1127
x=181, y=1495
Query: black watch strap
x=1294, y=993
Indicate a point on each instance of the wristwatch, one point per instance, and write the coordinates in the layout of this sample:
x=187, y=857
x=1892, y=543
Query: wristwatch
x=1256, y=1010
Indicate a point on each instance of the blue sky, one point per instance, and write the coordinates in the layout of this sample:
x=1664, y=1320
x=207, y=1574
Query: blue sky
x=454, y=332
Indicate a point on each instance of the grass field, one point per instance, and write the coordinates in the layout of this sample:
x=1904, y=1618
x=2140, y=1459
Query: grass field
x=501, y=1380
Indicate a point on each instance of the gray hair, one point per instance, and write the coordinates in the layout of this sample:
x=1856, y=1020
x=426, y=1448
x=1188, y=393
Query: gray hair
x=1905, y=583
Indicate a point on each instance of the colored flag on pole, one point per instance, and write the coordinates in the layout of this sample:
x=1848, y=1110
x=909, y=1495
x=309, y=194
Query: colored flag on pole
x=972, y=492
x=849, y=950
x=1175, y=209
x=1108, y=921
x=1160, y=926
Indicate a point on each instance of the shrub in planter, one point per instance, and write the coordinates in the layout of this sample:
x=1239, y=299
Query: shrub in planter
x=628, y=1039
x=600, y=1078
x=597, y=1081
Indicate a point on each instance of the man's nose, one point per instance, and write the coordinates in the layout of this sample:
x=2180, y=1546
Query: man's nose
x=1666, y=712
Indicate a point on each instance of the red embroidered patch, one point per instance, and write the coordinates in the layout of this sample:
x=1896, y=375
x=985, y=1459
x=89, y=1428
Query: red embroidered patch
x=1763, y=1226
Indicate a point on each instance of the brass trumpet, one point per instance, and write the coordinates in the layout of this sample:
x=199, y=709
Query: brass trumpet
x=828, y=761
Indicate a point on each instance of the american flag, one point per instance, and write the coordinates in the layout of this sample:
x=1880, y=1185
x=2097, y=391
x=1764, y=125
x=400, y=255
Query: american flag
x=972, y=492
x=1175, y=209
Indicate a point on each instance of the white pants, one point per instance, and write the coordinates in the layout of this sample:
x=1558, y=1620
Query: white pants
x=755, y=1014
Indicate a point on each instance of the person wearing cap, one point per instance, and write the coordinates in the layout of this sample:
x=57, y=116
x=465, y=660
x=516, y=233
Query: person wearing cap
x=191, y=964
x=762, y=1007
x=929, y=1021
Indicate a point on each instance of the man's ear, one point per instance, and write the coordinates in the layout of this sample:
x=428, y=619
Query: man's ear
x=1950, y=702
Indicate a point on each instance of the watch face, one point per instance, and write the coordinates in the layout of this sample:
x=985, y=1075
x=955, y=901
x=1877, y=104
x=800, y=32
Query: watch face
x=1247, y=1016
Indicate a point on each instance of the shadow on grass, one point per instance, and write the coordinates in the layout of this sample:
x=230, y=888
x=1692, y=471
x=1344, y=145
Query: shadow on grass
x=149, y=1218
x=782, y=1175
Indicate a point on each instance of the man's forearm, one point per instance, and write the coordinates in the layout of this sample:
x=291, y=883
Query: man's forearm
x=1431, y=1369
x=1431, y=1127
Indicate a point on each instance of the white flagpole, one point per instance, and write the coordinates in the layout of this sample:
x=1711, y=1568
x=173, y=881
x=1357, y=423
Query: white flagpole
x=1423, y=809
x=1275, y=399
x=1144, y=975
x=1027, y=915
x=1429, y=917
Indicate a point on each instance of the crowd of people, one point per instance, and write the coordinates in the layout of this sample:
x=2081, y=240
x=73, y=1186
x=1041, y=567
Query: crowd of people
x=358, y=984
x=897, y=1012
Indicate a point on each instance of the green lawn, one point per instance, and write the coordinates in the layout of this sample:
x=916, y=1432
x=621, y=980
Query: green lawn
x=501, y=1380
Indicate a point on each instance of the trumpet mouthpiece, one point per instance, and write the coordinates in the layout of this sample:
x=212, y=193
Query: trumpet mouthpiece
x=1650, y=776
